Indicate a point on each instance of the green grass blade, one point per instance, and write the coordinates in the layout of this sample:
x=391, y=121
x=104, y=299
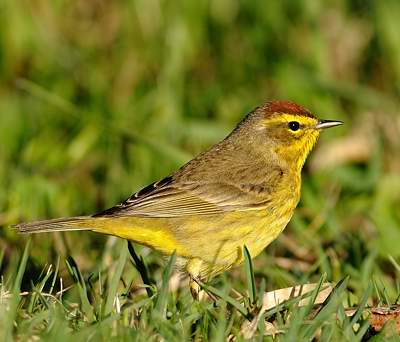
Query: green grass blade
x=361, y=306
x=220, y=326
x=261, y=291
x=142, y=269
x=251, y=283
x=315, y=292
x=8, y=326
x=114, y=281
x=1, y=257
x=38, y=288
x=82, y=290
x=330, y=306
x=21, y=269
x=53, y=282
x=161, y=302
x=227, y=299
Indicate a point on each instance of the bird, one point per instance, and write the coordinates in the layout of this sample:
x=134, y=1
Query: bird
x=240, y=192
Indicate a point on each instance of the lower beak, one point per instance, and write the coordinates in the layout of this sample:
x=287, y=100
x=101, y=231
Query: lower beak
x=322, y=124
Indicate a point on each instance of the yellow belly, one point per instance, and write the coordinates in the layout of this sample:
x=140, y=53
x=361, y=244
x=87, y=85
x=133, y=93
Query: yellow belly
x=217, y=241
x=219, y=244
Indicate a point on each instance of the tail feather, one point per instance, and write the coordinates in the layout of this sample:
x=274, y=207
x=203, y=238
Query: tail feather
x=54, y=225
x=138, y=229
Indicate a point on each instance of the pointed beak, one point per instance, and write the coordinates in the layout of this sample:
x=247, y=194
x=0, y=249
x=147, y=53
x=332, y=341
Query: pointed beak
x=322, y=124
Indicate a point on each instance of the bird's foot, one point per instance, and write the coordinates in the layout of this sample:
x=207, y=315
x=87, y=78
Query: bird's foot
x=198, y=291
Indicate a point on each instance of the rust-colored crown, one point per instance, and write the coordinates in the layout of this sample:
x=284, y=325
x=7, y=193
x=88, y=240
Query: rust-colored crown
x=287, y=107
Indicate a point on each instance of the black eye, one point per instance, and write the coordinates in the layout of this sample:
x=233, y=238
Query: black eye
x=293, y=125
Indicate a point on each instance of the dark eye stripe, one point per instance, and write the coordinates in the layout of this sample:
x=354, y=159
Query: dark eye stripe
x=293, y=125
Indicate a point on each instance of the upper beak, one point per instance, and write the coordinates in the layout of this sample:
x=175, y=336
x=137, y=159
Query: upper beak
x=322, y=124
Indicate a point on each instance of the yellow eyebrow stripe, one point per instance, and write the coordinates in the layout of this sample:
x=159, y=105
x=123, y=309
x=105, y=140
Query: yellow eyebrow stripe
x=303, y=120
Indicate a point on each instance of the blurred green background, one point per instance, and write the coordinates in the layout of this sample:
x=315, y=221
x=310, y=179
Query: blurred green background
x=99, y=98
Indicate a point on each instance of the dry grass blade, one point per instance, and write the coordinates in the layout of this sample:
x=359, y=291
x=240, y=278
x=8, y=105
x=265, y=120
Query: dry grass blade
x=274, y=298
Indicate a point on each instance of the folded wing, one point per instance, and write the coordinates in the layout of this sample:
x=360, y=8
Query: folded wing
x=172, y=198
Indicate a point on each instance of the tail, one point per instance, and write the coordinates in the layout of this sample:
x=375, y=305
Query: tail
x=59, y=224
x=155, y=234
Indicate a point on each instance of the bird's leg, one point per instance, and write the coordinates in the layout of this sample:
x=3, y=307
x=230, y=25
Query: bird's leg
x=195, y=282
x=195, y=288
x=193, y=267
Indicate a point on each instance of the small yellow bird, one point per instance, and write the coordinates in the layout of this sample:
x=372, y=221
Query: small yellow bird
x=242, y=191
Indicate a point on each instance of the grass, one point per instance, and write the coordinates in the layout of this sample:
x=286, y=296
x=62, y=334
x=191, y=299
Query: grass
x=101, y=98
x=102, y=312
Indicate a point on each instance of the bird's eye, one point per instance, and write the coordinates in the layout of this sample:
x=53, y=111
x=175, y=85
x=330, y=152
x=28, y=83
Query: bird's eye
x=294, y=125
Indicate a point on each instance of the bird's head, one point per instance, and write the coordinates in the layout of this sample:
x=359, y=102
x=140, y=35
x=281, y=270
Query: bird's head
x=290, y=130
